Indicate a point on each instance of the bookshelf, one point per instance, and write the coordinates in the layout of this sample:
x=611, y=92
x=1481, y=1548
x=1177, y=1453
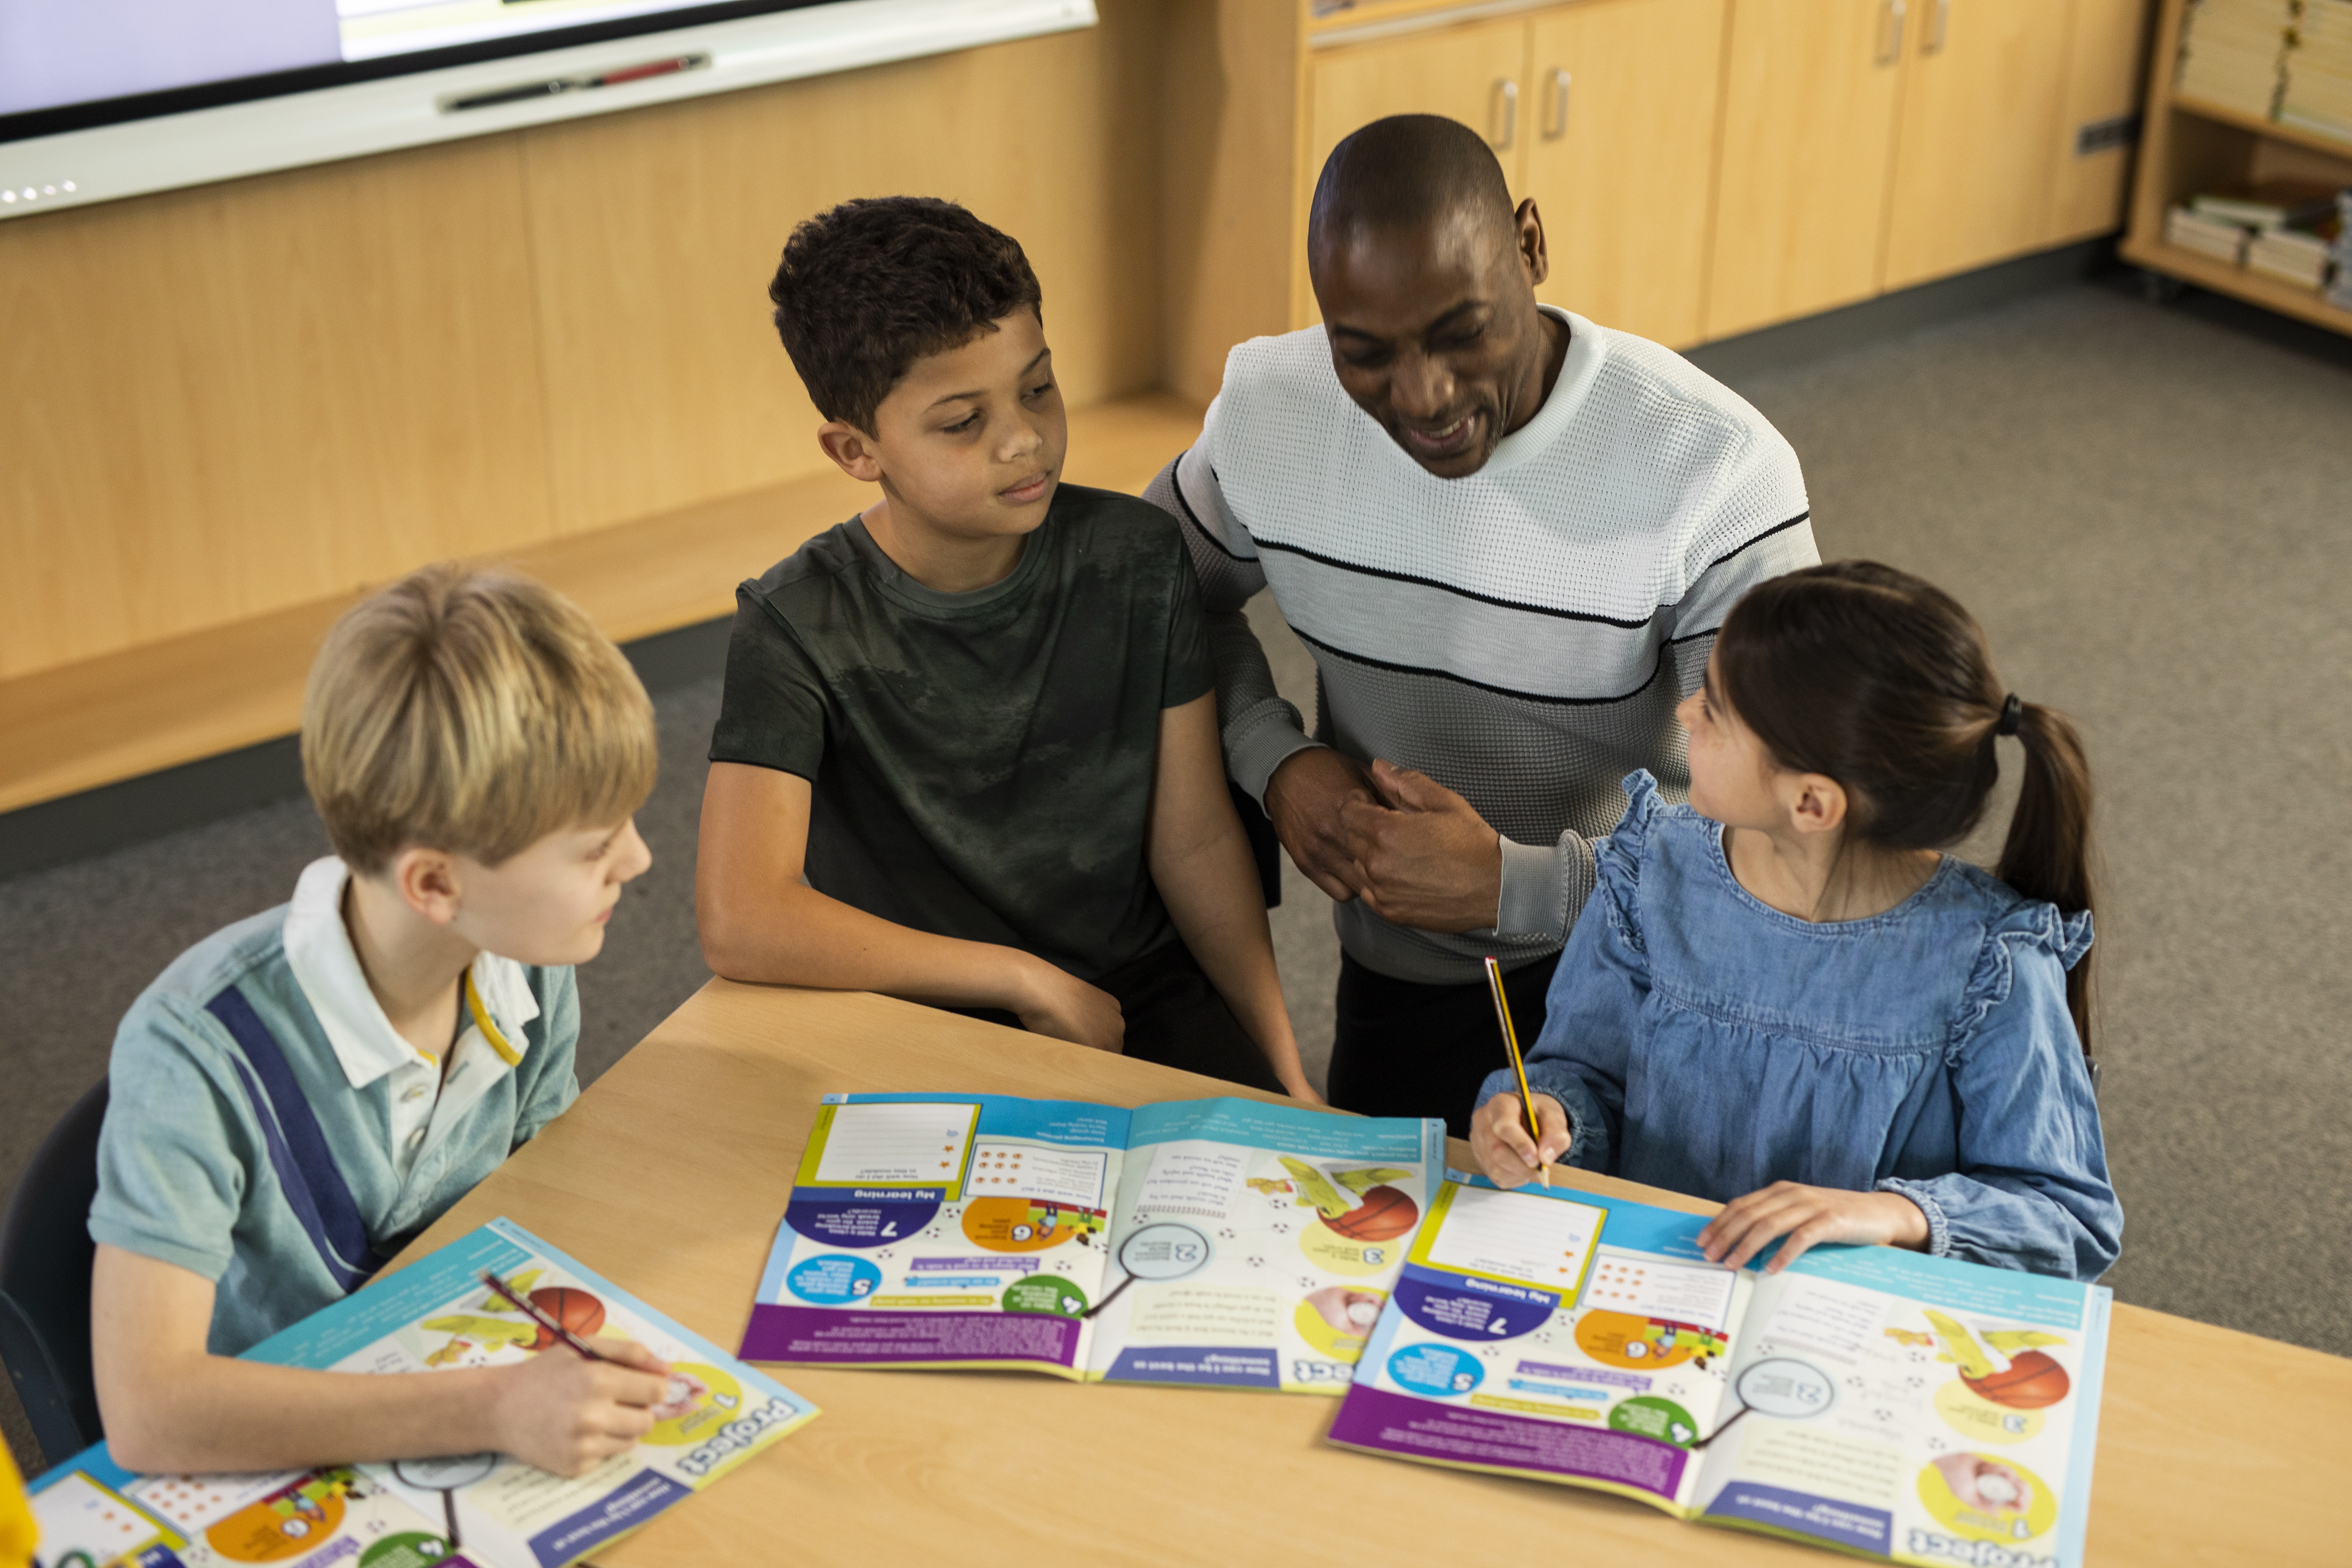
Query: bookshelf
x=2190, y=145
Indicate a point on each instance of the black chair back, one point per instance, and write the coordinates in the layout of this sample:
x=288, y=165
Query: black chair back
x=44, y=1263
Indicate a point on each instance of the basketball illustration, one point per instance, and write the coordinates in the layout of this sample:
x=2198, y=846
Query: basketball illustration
x=2031, y=1383
x=575, y=1310
x=1384, y=1213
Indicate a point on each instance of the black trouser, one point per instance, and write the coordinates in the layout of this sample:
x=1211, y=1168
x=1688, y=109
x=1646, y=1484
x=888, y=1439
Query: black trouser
x=1174, y=1017
x=1399, y=1048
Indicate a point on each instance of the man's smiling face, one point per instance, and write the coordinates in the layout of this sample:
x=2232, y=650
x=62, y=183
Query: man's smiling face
x=1434, y=331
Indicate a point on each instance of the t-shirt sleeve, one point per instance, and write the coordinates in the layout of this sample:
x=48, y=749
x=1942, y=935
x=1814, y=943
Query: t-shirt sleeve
x=1191, y=671
x=174, y=1154
x=771, y=703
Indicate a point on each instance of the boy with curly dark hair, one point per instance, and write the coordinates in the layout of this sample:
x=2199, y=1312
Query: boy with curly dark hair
x=967, y=753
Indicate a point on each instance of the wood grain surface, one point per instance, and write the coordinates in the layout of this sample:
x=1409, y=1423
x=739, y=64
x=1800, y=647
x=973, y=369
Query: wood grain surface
x=670, y=1174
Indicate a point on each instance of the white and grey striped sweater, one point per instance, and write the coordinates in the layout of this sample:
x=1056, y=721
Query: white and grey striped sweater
x=1521, y=635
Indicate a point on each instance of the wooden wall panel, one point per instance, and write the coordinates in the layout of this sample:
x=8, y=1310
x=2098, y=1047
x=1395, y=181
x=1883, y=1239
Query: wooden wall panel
x=221, y=402
x=1228, y=182
x=655, y=234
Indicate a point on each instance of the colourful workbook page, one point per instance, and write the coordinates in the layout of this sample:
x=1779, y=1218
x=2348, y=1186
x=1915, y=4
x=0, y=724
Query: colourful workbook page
x=1253, y=1245
x=476, y=1511
x=1220, y=1241
x=1918, y=1409
x=943, y=1230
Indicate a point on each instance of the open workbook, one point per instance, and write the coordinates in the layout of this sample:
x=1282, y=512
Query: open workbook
x=1224, y=1242
x=1918, y=1410
x=471, y=1511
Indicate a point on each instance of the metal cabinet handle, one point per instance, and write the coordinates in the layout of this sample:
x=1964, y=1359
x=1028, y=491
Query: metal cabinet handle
x=1556, y=124
x=1505, y=114
x=1890, y=33
x=1934, y=42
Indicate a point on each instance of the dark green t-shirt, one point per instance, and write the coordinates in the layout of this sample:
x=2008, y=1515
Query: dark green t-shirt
x=981, y=763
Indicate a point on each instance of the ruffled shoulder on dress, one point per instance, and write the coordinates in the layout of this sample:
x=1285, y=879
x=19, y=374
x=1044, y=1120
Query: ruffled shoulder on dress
x=1617, y=859
x=2014, y=939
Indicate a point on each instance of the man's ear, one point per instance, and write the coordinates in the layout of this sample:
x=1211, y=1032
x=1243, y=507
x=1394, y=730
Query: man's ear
x=1530, y=240
x=1815, y=801
x=428, y=882
x=851, y=448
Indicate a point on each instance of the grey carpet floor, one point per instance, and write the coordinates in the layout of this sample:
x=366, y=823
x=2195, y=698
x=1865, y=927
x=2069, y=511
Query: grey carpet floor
x=2151, y=512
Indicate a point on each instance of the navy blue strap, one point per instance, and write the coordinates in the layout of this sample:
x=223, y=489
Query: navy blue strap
x=314, y=1186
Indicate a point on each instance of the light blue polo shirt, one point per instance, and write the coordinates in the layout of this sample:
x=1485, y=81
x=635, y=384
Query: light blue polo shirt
x=266, y=1128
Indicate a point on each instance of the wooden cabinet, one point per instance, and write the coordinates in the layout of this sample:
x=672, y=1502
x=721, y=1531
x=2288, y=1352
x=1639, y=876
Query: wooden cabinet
x=1604, y=110
x=1620, y=158
x=1979, y=141
x=2104, y=64
x=1809, y=99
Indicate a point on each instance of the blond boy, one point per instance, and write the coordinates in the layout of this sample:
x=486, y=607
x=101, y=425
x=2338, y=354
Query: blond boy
x=302, y=1092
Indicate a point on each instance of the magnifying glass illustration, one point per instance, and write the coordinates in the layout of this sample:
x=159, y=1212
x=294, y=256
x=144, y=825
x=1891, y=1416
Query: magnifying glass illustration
x=1779, y=1386
x=446, y=1475
x=1158, y=1252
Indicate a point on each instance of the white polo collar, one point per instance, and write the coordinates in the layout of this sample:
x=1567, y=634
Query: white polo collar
x=498, y=996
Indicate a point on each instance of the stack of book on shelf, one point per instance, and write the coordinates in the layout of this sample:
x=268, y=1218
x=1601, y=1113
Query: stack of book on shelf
x=2230, y=52
x=2279, y=228
x=2317, y=94
x=2340, y=294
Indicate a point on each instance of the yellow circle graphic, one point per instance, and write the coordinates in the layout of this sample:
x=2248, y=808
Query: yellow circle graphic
x=710, y=1399
x=1335, y=1254
x=1979, y=1420
x=1338, y=1319
x=1978, y=1498
x=1624, y=1338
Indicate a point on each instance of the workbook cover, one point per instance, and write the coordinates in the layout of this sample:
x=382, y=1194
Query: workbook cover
x=466, y=1510
x=1918, y=1409
x=1229, y=1243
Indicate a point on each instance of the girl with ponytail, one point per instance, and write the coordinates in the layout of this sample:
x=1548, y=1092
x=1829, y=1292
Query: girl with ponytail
x=1788, y=996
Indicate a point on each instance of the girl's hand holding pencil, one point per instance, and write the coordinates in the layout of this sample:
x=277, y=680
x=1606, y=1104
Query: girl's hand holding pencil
x=1505, y=1151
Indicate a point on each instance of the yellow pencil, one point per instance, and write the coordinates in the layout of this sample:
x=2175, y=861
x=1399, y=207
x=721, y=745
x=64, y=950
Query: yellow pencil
x=1519, y=1065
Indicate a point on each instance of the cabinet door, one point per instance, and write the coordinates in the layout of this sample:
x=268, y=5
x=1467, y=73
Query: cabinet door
x=1620, y=157
x=1980, y=137
x=2103, y=83
x=1809, y=98
x=1475, y=73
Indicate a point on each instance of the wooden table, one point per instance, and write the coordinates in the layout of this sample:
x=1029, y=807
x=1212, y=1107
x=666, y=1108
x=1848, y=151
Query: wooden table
x=669, y=1176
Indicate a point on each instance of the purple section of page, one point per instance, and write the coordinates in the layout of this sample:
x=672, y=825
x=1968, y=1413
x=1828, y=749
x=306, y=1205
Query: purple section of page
x=885, y=1339
x=1462, y=1435
x=1870, y=1530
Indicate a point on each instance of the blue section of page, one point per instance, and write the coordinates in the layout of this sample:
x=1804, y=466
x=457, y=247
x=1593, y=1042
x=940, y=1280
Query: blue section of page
x=94, y=1462
x=395, y=1300
x=431, y=1283
x=1071, y=1123
x=2090, y=1384
x=1294, y=1129
x=1949, y=1282
x=617, y=1513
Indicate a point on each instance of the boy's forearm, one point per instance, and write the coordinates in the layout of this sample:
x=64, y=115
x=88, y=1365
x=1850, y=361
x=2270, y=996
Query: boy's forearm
x=206, y=1413
x=804, y=938
x=1211, y=892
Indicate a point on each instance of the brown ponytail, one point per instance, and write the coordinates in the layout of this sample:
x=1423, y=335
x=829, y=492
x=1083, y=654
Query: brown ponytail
x=2047, y=855
x=1882, y=681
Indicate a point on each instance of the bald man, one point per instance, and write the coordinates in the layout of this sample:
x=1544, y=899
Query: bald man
x=1508, y=535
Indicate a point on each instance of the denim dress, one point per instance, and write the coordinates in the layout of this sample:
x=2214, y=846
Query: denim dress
x=1703, y=1041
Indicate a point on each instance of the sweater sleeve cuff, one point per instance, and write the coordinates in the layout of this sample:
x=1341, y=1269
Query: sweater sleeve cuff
x=1253, y=756
x=1939, y=1228
x=1544, y=886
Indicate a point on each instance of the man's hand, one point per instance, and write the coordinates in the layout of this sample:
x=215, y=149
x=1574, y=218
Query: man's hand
x=1808, y=1216
x=1059, y=1004
x=1425, y=858
x=1303, y=799
x=567, y=1414
x=1498, y=1137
